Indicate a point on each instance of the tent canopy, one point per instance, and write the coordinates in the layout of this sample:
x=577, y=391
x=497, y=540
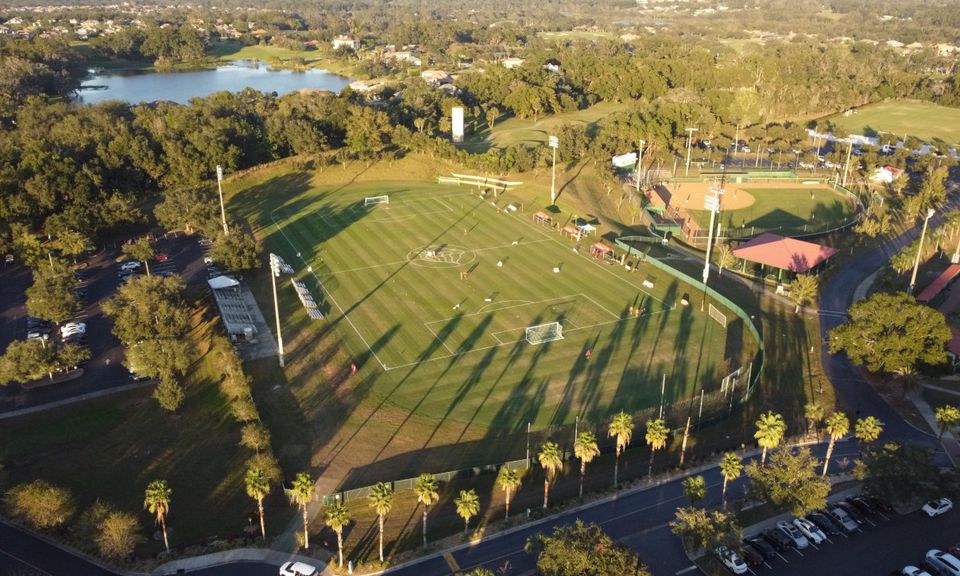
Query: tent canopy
x=784, y=253
x=571, y=229
x=601, y=248
x=222, y=282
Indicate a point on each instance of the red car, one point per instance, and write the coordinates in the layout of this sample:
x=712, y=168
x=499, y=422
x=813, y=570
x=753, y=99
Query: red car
x=161, y=257
x=955, y=549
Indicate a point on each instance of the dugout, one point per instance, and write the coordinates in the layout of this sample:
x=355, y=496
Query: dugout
x=542, y=218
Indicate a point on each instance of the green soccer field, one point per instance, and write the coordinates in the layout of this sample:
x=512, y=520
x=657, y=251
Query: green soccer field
x=437, y=289
x=924, y=120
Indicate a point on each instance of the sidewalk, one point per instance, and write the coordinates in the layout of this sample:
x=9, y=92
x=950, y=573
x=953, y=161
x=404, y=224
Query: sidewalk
x=949, y=441
x=74, y=400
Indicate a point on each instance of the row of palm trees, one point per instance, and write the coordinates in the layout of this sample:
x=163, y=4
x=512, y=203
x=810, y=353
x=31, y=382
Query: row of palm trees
x=770, y=430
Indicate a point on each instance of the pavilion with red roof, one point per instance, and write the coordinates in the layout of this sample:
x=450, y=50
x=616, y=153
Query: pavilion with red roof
x=783, y=253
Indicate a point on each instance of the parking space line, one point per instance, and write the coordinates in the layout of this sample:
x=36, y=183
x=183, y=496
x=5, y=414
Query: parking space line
x=815, y=547
x=782, y=557
x=767, y=564
x=798, y=552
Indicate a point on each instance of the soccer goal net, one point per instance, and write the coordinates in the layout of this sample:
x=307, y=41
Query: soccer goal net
x=372, y=200
x=717, y=315
x=542, y=333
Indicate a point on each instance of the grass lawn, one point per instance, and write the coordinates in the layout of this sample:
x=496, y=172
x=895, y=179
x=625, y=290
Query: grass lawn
x=278, y=56
x=566, y=35
x=788, y=209
x=516, y=130
x=924, y=120
x=111, y=448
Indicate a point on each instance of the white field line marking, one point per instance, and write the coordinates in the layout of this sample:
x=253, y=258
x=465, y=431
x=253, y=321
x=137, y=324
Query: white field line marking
x=601, y=306
x=595, y=263
x=329, y=294
x=523, y=303
x=437, y=338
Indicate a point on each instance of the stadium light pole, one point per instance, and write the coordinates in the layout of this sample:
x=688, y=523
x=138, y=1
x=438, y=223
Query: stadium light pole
x=223, y=211
x=690, y=132
x=711, y=203
x=916, y=261
x=640, y=164
x=274, y=272
x=554, y=142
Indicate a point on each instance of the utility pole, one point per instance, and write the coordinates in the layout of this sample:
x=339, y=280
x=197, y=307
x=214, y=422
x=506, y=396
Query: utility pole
x=846, y=166
x=690, y=132
x=528, y=445
x=274, y=272
x=223, y=211
x=711, y=203
x=916, y=261
x=663, y=390
x=640, y=164
x=554, y=143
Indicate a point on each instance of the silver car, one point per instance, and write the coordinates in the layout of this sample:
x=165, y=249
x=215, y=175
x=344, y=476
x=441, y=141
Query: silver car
x=843, y=518
x=796, y=537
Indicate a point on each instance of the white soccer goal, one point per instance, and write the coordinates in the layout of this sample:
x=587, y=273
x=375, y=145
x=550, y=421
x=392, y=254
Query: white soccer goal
x=717, y=315
x=542, y=333
x=373, y=200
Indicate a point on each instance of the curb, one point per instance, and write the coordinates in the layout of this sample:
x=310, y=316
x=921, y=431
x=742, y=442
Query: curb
x=73, y=400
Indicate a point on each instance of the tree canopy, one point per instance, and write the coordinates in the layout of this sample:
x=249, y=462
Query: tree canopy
x=791, y=481
x=582, y=550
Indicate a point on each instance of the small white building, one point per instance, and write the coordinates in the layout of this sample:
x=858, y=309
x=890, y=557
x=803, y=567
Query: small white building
x=511, y=63
x=345, y=41
x=435, y=78
x=885, y=174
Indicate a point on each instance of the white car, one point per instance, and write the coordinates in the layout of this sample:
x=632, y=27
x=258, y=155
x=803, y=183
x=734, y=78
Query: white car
x=937, y=507
x=300, y=569
x=913, y=571
x=810, y=530
x=731, y=559
x=945, y=562
x=131, y=265
x=799, y=540
x=73, y=328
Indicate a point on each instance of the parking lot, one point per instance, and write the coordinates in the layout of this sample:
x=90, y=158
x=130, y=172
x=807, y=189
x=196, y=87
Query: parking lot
x=99, y=280
x=881, y=546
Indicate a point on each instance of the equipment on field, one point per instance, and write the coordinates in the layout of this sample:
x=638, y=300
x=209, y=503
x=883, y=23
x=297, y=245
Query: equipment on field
x=542, y=333
x=374, y=200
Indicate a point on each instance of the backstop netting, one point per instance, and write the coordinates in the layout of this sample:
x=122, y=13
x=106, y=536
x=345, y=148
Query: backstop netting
x=542, y=333
x=717, y=315
x=373, y=200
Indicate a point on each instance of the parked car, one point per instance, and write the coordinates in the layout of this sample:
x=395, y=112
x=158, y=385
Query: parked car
x=298, y=569
x=761, y=546
x=862, y=505
x=944, y=562
x=73, y=328
x=797, y=539
x=38, y=335
x=937, y=507
x=730, y=559
x=878, y=504
x=131, y=265
x=33, y=322
x=825, y=523
x=778, y=539
x=843, y=519
x=913, y=571
x=752, y=556
x=165, y=273
x=161, y=257
x=857, y=516
x=810, y=530
x=955, y=549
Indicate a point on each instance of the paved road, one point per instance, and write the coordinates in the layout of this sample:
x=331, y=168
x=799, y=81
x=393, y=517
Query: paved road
x=23, y=554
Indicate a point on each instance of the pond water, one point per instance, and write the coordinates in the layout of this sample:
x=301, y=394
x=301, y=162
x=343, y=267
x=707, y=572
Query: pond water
x=181, y=86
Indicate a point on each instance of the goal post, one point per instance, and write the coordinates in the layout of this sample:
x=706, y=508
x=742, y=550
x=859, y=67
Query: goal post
x=543, y=333
x=717, y=315
x=374, y=200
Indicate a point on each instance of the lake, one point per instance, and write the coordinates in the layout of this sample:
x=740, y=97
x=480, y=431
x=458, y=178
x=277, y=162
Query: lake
x=181, y=86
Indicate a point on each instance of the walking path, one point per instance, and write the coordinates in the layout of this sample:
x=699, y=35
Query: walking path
x=949, y=440
x=74, y=400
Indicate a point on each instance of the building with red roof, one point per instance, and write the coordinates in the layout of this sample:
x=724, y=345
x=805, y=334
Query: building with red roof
x=783, y=253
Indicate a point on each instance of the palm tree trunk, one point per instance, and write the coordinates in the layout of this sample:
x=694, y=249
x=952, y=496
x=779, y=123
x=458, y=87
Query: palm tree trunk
x=340, y=545
x=507, y=515
x=650, y=468
x=381, y=538
x=466, y=527
x=163, y=527
x=306, y=533
x=723, y=495
x=583, y=471
x=263, y=526
x=147, y=265
x=763, y=457
x=546, y=492
x=616, y=469
x=826, y=461
x=942, y=431
x=424, y=527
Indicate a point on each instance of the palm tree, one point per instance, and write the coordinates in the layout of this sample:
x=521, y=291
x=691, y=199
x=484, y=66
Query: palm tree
x=585, y=448
x=867, y=431
x=157, y=501
x=657, y=434
x=509, y=480
x=338, y=518
x=621, y=427
x=837, y=427
x=803, y=290
x=468, y=505
x=770, y=430
x=302, y=495
x=426, y=489
x=730, y=468
x=908, y=378
x=552, y=462
x=258, y=487
x=381, y=500
x=947, y=417
x=813, y=413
